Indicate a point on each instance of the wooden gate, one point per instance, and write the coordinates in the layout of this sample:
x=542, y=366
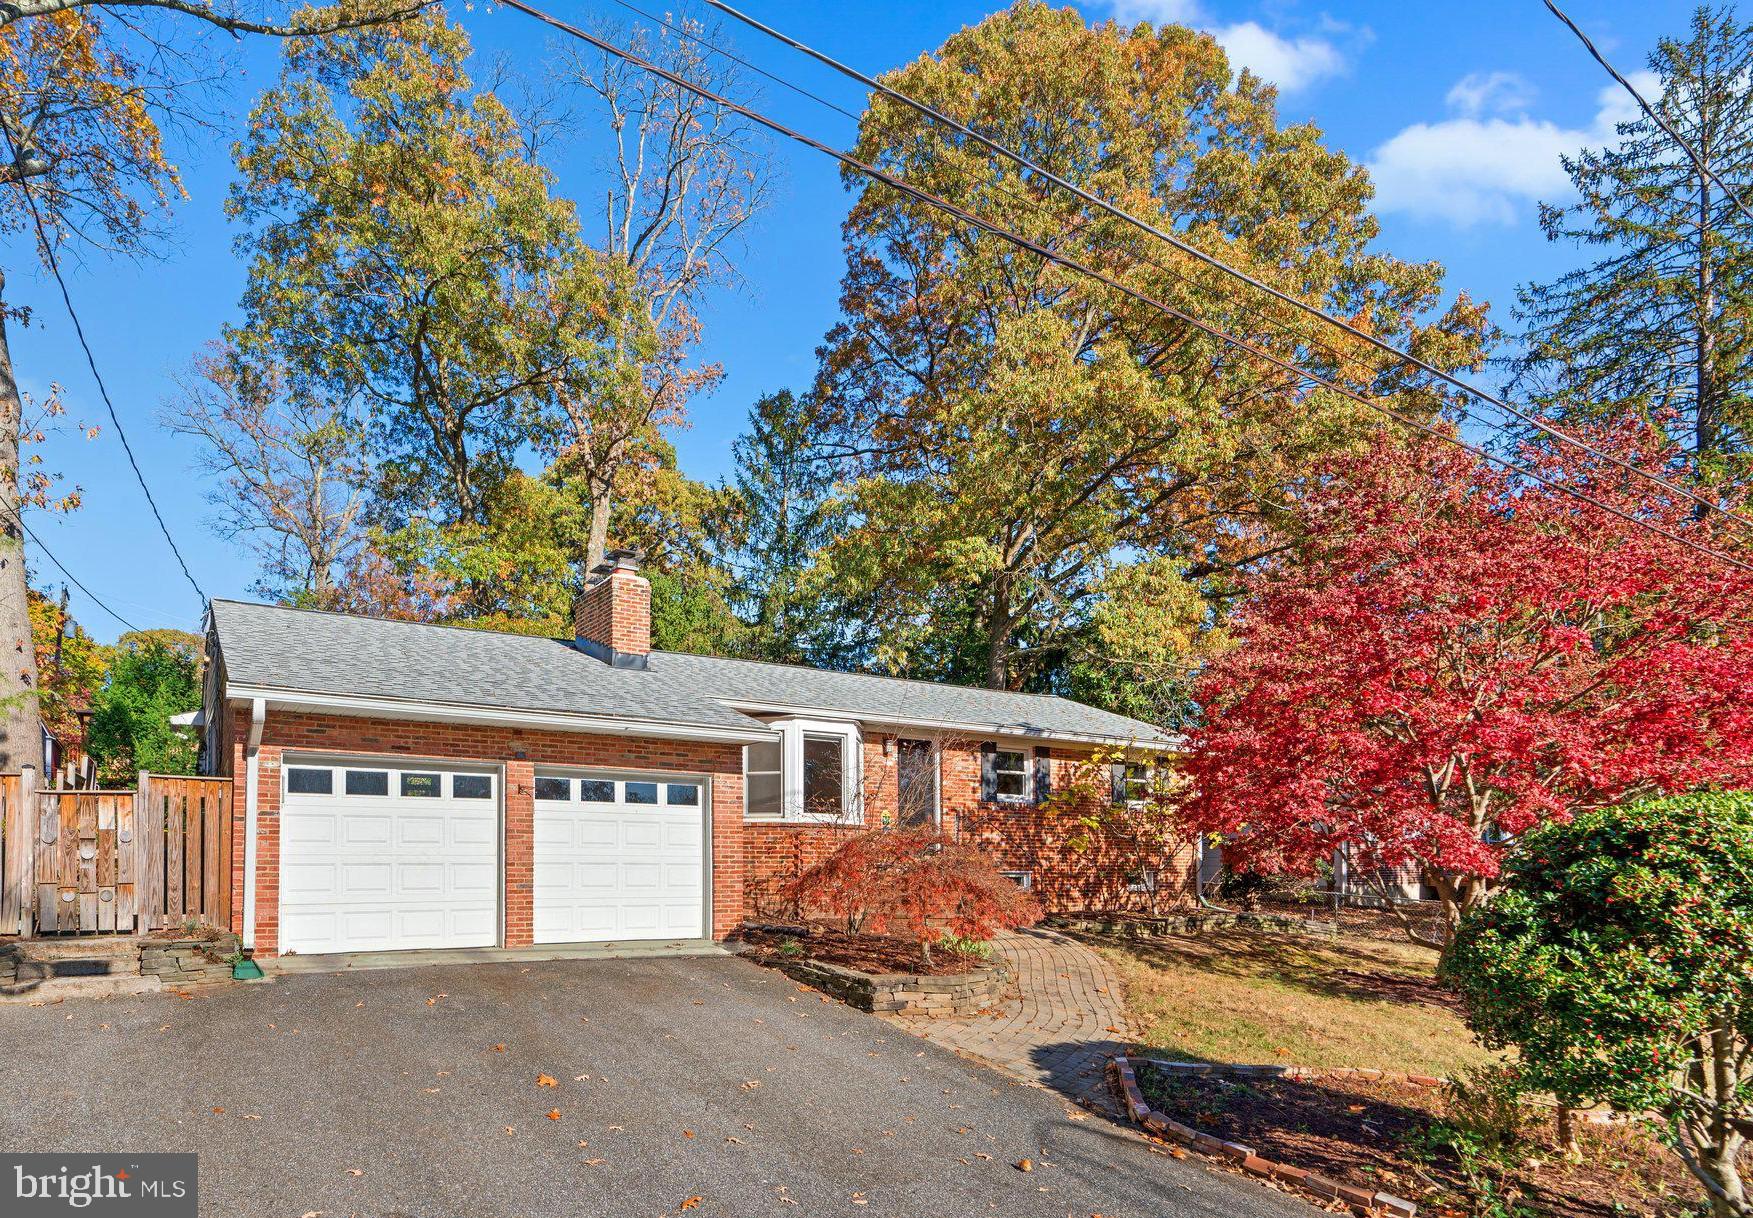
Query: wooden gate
x=80, y=862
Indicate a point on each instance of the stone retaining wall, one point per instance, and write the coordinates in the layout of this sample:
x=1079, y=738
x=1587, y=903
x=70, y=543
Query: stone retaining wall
x=902, y=993
x=186, y=962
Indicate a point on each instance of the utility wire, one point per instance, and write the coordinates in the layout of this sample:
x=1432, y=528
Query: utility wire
x=71, y=578
x=1698, y=162
x=967, y=217
x=1023, y=162
x=91, y=362
x=1256, y=311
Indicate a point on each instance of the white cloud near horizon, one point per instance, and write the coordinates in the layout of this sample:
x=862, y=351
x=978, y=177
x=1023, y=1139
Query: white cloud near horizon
x=1491, y=160
x=1291, y=63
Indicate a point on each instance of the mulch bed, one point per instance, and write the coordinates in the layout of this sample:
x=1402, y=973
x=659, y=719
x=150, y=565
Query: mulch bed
x=866, y=953
x=1374, y=1134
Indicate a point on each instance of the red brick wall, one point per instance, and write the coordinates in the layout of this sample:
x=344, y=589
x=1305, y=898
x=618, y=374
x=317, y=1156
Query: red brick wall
x=485, y=746
x=1018, y=837
x=616, y=612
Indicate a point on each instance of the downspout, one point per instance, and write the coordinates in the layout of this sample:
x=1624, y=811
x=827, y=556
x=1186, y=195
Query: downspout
x=252, y=779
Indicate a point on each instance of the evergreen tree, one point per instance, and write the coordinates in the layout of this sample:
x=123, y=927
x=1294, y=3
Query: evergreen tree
x=1659, y=323
x=783, y=495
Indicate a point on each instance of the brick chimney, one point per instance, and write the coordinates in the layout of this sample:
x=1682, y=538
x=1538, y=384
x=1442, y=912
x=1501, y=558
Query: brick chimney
x=612, y=616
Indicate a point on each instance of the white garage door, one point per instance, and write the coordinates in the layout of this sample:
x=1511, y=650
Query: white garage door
x=375, y=859
x=619, y=859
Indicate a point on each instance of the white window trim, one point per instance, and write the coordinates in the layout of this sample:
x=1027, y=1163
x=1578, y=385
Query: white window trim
x=1028, y=771
x=791, y=802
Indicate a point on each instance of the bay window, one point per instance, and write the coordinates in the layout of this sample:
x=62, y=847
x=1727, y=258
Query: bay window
x=808, y=772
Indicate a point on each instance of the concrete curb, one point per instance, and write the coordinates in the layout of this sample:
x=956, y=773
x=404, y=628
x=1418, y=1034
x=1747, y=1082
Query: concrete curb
x=1364, y=1201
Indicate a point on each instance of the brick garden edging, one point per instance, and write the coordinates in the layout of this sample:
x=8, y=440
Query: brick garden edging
x=955, y=994
x=1313, y=1183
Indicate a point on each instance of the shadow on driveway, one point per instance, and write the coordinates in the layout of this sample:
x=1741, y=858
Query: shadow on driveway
x=417, y=1093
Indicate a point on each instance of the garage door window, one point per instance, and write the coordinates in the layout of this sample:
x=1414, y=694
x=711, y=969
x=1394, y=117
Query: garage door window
x=554, y=788
x=422, y=786
x=471, y=786
x=641, y=792
x=368, y=782
x=683, y=795
x=301, y=780
x=596, y=791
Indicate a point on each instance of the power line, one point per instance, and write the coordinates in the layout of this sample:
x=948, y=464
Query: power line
x=71, y=578
x=91, y=362
x=1253, y=281
x=1073, y=264
x=1698, y=161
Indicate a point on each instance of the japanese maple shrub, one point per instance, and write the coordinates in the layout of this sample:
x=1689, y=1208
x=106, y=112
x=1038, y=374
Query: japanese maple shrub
x=912, y=883
x=1617, y=957
x=1450, y=655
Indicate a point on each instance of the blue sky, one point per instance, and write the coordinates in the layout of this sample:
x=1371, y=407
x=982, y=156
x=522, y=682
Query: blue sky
x=1461, y=110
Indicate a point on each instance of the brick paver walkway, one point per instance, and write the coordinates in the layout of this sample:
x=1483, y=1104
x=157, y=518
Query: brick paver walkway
x=1057, y=1028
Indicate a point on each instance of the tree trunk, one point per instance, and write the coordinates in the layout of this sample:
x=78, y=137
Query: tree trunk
x=1707, y=425
x=598, y=543
x=21, y=730
x=998, y=624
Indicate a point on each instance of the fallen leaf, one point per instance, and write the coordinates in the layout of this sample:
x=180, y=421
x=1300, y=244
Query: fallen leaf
x=430, y=1090
x=249, y=1116
x=596, y=1162
x=355, y=1171
x=546, y=1080
x=579, y=1078
x=687, y=1133
x=751, y=1085
x=498, y=1048
x=582, y=1145
x=690, y=1203
x=219, y=1112
x=554, y=1114
x=510, y=1129
x=1025, y=1165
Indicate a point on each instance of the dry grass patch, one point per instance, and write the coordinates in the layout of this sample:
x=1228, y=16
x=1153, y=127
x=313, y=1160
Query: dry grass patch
x=1247, y=997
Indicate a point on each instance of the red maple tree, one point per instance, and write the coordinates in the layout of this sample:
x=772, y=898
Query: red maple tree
x=1454, y=654
x=912, y=883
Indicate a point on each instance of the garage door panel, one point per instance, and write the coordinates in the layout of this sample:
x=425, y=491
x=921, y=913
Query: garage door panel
x=381, y=872
x=419, y=830
x=634, y=864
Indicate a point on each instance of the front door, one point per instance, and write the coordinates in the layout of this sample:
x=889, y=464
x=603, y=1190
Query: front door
x=916, y=784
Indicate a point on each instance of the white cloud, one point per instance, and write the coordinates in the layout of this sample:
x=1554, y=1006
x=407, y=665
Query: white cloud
x=1491, y=161
x=1490, y=93
x=1291, y=63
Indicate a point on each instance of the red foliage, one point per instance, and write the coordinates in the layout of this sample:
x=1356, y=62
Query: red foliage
x=912, y=882
x=1453, y=656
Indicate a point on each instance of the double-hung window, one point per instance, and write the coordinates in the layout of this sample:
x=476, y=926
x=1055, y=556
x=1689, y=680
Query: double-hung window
x=1010, y=775
x=809, y=772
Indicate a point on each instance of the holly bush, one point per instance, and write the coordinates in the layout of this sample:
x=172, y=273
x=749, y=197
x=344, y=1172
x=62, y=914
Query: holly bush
x=1617, y=958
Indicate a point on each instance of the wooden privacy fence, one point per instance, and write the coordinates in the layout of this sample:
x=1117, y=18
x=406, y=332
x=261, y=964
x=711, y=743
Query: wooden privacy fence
x=77, y=861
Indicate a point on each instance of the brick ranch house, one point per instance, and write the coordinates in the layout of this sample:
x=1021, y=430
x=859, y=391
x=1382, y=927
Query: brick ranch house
x=400, y=785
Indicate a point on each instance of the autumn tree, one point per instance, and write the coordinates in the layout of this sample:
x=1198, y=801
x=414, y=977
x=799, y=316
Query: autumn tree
x=1454, y=655
x=289, y=468
x=685, y=178
x=1661, y=322
x=151, y=676
x=83, y=92
x=404, y=251
x=1016, y=433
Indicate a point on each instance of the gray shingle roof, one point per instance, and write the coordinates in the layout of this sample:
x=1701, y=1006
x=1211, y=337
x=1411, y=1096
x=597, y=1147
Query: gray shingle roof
x=270, y=647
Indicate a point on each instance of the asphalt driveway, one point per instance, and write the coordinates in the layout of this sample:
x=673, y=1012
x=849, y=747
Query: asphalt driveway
x=414, y=1093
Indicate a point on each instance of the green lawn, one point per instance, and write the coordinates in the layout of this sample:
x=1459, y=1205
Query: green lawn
x=1231, y=996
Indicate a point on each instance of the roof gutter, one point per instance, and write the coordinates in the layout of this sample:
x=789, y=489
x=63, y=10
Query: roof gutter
x=492, y=716
x=950, y=725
